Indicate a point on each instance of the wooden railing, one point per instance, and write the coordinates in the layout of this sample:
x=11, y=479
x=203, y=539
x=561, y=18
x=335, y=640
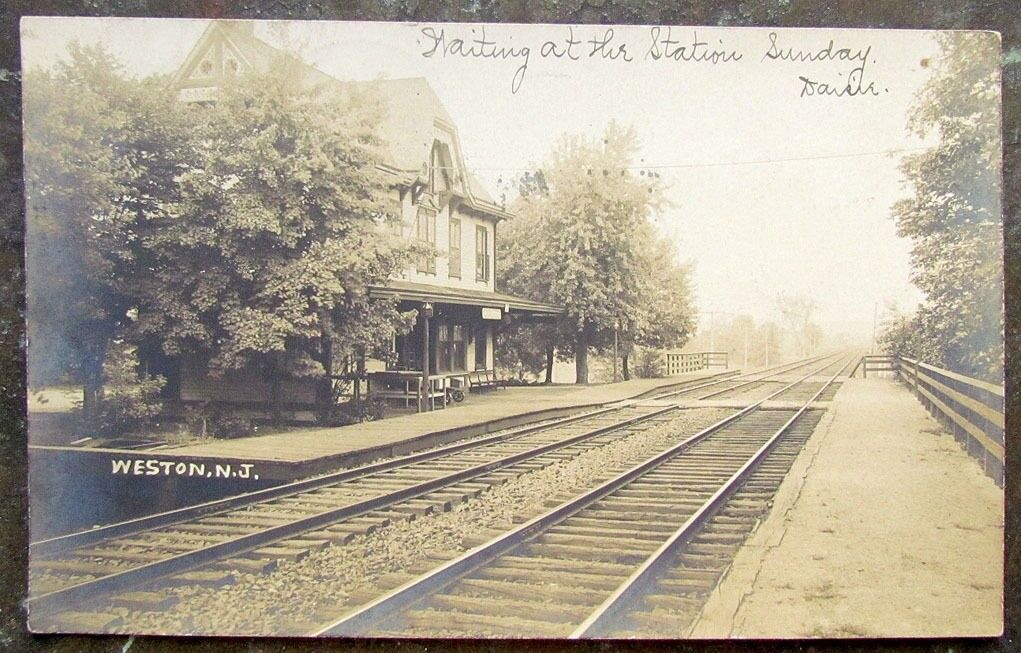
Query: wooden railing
x=682, y=363
x=971, y=409
x=408, y=388
x=875, y=363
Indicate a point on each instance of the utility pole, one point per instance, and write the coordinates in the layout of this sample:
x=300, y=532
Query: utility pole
x=746, y=348
x=875, y=313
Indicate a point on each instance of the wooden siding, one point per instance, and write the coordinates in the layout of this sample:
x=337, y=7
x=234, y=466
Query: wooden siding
x=241, y=386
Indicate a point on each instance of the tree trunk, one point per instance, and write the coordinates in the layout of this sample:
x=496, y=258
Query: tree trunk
x=581, y=357
x=92, y=385
x=549, y=364
x=92, y=395
x=324, y=389
x=624, y=365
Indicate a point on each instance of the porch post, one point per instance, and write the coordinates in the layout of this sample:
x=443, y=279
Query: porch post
x=423, y=391
x=359, y=373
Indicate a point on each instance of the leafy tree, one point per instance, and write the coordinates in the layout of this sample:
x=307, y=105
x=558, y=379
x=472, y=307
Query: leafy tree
x=665, y=314
x=521, y=351
x=738, y=334
x=527, y=348
x=264, y=256
x=796, y=313
x=953, y=216
x=99, y=151
x=588, y=235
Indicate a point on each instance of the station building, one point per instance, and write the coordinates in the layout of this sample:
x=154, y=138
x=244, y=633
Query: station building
x=442, y=204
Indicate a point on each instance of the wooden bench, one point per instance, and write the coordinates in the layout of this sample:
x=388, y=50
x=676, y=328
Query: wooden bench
x=405, y=386
x=482, y=380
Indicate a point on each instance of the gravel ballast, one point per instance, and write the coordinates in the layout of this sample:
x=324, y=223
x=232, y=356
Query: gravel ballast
x=300, y=596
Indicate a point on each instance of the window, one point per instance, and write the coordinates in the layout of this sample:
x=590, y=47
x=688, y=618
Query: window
x=455, y=248
x=481, y=254
x=439, y=168
x=426, y=229
x=481, y=338
x=442, y=348
x=458, y=348
x=451, y=348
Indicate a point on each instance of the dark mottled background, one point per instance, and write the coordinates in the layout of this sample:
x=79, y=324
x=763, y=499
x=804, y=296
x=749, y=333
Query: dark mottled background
x=1003, y=16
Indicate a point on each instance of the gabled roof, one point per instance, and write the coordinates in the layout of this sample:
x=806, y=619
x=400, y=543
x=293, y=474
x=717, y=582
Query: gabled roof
x=413, y=110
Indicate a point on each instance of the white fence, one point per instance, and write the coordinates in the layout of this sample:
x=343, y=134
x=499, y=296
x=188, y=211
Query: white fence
x=681, y=363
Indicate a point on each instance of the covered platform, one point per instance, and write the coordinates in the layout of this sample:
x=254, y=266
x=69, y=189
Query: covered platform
x=451, y=348
x=885, y=527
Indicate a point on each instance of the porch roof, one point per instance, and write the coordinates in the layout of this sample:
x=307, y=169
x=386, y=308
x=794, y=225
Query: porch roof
x=421, y=292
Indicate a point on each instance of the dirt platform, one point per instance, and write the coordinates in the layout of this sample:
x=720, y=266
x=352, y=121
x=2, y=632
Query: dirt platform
x=885, y=527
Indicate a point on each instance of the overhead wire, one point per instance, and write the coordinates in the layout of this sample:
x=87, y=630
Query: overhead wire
x=712, y=164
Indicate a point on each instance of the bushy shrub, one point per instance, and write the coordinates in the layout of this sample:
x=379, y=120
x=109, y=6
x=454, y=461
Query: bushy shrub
x=648, y=363
x=354, y=412
x=129, y=404
x=226, y=426
x=217, y=422
x=124, y=410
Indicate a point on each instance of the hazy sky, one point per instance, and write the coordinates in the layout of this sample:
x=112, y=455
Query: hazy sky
x=773, y=192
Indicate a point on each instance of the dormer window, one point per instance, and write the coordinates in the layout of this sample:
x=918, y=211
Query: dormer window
x=232, y=66
x=439, y=168
x=206, y=67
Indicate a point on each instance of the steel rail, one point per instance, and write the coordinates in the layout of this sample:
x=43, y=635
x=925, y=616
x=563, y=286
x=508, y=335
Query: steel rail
x=599, y=623
x=127, y=527
x=763, y=378
x=358, y=622
x=118, y=581
x=131, y=526
x=59, y=543
x=773, y=371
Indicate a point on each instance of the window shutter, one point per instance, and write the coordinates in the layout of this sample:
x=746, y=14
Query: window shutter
x=455, y=248
x=426, y=231
x=481, y=254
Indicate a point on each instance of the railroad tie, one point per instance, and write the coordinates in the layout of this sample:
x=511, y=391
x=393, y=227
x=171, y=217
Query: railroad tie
x=259, y=567
x=94, y=622
x=145, y=601
x=282, y=552
x=201, y=579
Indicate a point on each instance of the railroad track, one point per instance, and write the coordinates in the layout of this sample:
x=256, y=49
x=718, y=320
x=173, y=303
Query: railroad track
x=203, y=545
x=744, y=383
x=594, y=565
